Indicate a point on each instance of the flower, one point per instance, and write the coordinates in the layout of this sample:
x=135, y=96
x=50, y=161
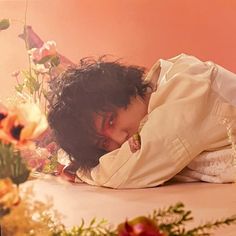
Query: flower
x=31, y=38
x=140, y=226
x=40, y=68
x=8, y=193
x=35, y=159
x=23, y=123
x=15, y=73
x=44, y=53
x=3, y=114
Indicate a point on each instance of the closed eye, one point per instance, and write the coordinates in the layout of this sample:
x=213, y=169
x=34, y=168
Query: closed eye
x=105, y=144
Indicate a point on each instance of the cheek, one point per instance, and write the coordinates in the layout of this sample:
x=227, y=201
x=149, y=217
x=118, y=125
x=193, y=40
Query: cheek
x=136, y=124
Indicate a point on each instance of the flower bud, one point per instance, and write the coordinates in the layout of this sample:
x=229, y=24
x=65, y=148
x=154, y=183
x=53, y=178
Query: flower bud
x=4, y=24
x=140, y=226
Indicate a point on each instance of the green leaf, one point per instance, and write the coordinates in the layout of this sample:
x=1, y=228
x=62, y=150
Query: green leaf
x=31, y=82
x=51, y=167
x=55, y=61
x=4, y=24
x=19, y=88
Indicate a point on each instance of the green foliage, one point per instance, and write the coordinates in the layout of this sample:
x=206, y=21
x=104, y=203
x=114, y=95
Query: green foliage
x=55, y=61
x=31, y=82
x=50, y=167
x=94, y=228
x=12, y=165
x=173, y=219
x=169, y=220
x=202, y=230
x=19, y=88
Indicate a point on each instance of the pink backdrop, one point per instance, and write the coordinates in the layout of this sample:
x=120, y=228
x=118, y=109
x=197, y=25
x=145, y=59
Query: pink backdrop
x=140, y=31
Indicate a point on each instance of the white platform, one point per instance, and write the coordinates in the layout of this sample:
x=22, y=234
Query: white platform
x=76, y=201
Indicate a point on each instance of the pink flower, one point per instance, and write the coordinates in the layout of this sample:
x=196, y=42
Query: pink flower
x=52, y=147
x=35, y=158
x=32, y=39
x=15, y=73
x=44, y=53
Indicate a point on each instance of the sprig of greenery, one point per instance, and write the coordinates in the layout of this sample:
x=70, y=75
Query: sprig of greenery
x=94, y=228
x=172, y=219
x=202, y=229
x=48, y=222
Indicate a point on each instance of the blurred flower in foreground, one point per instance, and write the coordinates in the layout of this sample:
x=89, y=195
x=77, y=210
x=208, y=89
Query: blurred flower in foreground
x=8, y=195
x=22, y=124
x=140, y=226
x=3, y=114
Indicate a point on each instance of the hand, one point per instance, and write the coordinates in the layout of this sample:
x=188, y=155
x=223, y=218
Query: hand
x=135, y=143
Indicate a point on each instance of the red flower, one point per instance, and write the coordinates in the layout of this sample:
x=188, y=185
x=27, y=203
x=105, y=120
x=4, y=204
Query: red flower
x=140, y=226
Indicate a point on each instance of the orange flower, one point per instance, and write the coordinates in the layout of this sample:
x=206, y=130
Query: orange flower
x=22, y=124
x=9, y=195
x=3, y=114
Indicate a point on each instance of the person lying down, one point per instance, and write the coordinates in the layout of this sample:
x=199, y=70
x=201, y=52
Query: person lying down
x=128, y=129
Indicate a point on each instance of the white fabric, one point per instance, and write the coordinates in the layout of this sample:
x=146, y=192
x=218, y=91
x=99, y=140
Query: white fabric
x=214, y=167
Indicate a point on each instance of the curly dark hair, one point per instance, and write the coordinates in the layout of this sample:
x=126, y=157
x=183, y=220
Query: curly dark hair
x=92, y=87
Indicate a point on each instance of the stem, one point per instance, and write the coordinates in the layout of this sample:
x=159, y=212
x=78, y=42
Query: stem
x=26, y=37
x=17, y=80
x=17, y=20
x=42, y=86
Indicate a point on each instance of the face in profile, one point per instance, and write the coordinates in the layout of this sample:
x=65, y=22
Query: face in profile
x=115, y=128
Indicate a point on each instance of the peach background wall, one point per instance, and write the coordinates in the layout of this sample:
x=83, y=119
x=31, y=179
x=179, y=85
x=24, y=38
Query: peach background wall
x=140, y=31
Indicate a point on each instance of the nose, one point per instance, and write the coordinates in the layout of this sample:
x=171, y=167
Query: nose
x=117, y=135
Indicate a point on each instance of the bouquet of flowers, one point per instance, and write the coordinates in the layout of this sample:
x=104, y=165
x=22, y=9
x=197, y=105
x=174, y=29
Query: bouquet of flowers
x=19, y=126
x=33, y=85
